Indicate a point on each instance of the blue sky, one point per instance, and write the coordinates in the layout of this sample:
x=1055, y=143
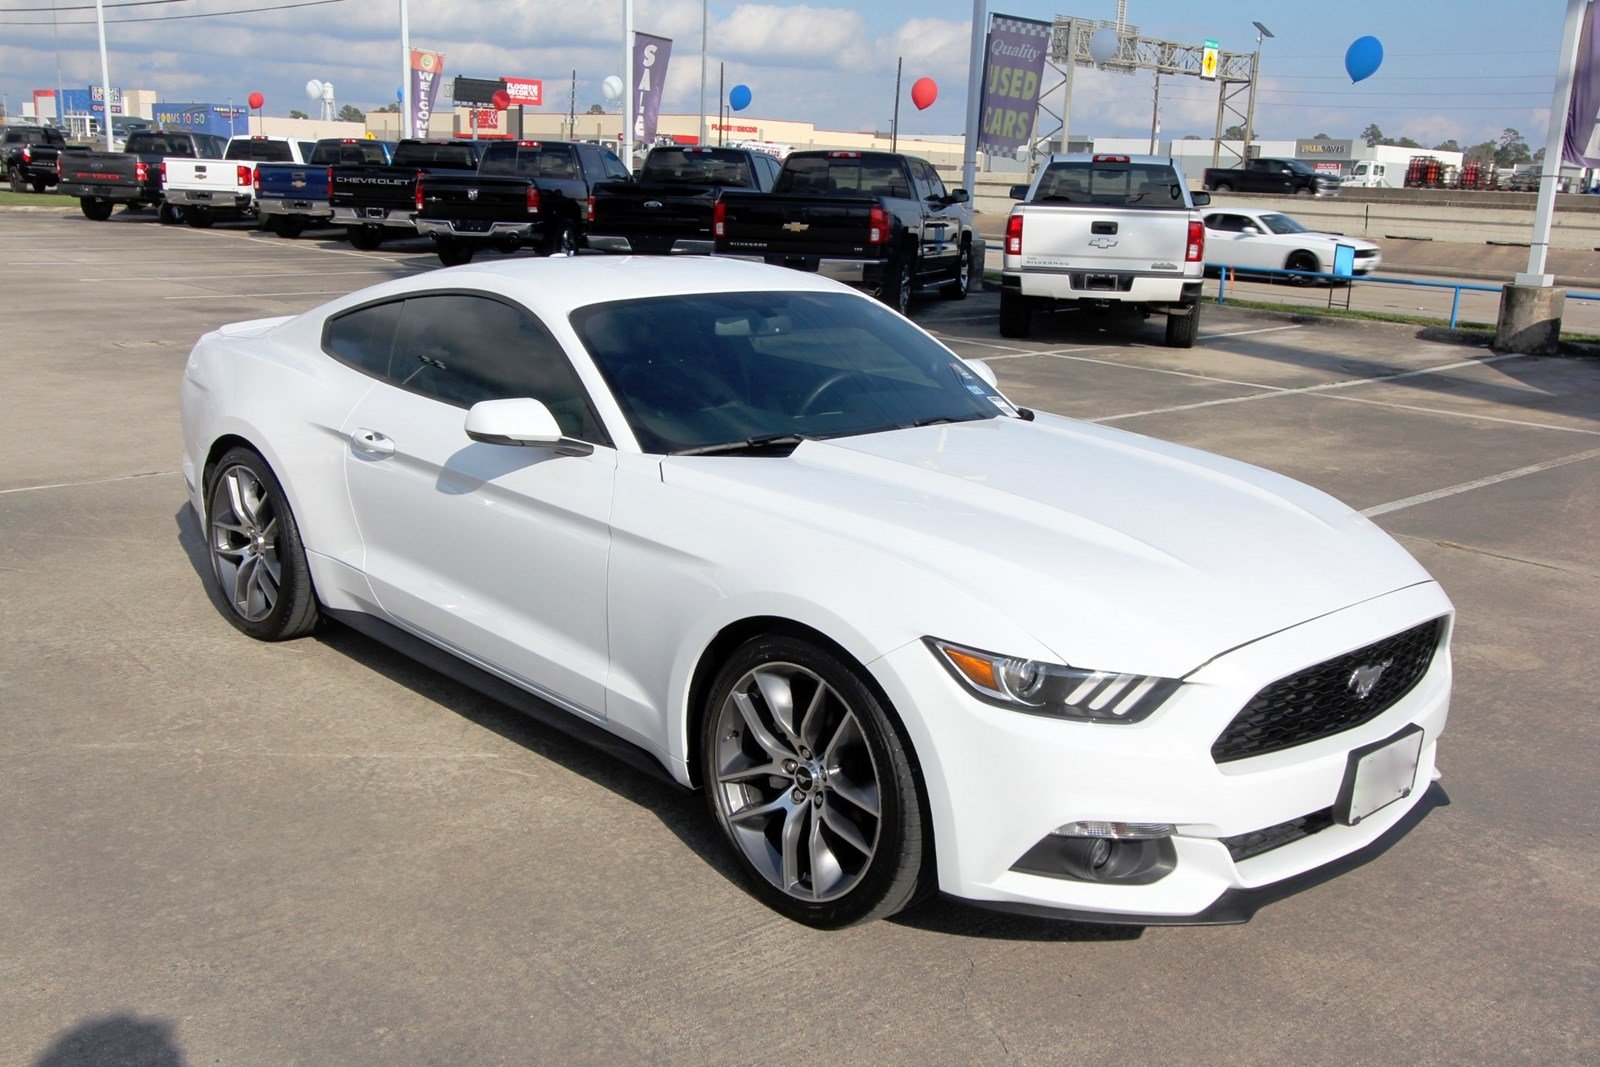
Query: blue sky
x=1460, y=70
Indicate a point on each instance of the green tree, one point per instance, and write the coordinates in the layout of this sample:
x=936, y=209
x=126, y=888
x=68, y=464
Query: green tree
x=351, y=113
x=296, y=113
x=1321, y=137
x=1404, y=142
x=597, y=109
x=1233, y=133
x=1371, y=134
x=1511, y=148
x=1482, y=152
x=1447, y=146
x=388, y=109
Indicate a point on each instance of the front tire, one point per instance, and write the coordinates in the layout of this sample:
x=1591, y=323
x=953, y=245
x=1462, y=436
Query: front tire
x=169, y=214
x=1016, y=314
x=258, y=563
x=366, y=238
x=291, y=226
x=40, y=184
x=1302, y=261
x=563, y=241
x=97, y=208
x=961, y=285
x=812, y=785
x=453, y=252
x=201, y=218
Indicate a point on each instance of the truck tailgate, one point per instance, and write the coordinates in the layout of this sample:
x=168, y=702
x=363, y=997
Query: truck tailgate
x=475, y=198
x=766, y=224
x=651, y=211
x=296, y=181
x=214, y=175
x=375, y=187
x=1084, y=237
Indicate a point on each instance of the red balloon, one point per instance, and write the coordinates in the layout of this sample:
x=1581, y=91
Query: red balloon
x=502, y=99
x=924, y=91
x=256, y=100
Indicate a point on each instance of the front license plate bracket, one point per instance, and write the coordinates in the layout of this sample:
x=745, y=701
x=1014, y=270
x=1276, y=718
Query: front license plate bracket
x=1379, y=774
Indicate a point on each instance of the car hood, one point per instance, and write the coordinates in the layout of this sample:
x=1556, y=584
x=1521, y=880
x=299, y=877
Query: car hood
x=1117, y=552
x=1335, y=238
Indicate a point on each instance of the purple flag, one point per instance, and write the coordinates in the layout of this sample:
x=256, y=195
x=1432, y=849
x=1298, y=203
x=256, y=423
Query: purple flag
x=1013, y=70
x=427, y=72
x=650, y=56
x=1583, y=111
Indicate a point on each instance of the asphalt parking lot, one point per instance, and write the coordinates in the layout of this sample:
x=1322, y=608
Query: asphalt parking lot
x=317, y=852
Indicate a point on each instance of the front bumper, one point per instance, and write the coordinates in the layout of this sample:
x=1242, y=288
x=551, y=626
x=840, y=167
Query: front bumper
x=1000, y=781
x=449, y=228
x=314, y=209
x=679, y=246
x=398, y=218
x=214, y=200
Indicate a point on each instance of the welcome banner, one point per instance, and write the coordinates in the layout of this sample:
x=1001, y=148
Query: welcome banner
x=427, y=72
x=1013, y=71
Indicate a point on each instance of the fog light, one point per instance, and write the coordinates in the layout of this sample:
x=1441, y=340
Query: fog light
x=1117, y=831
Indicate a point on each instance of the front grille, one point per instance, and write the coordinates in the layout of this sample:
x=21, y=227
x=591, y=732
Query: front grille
x=1254, y=843
x=1323, y=700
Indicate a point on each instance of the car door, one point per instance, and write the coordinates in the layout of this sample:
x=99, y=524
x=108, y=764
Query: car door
x=942, y=220
x=1225, y=242
x=494, y=551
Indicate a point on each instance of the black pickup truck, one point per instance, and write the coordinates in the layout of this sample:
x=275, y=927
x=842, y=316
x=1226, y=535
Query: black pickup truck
x=1288, y=176
x=102, y=180
x=669, y=208
x=878, y=219
x=525, y=193
x=375, y=203
x=28, y=155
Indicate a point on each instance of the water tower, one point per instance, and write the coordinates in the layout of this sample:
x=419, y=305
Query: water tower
x=322, y=92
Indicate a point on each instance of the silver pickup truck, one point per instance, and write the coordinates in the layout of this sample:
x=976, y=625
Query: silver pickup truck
x=1102, y=231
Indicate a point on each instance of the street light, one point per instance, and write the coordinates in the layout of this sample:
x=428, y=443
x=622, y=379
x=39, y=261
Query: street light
x=1255, y=73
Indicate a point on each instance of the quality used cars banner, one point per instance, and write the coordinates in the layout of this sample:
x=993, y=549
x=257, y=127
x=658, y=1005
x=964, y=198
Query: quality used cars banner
x=1013, y=69
x=427, y=71
x=650, y=56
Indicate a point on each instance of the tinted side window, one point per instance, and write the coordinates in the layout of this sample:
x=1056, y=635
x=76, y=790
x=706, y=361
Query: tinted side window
x=364, y=338
x=936, y=183
x=462, y=349
x=919, y=179
x=613, y=165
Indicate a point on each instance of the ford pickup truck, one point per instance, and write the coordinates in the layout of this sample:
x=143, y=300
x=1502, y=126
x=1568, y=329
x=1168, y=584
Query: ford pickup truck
x=375, y=203
x=669, y=208
x=878, y=219
x=524, y=193
x=209, y=189
x=1286, y=176
x=28, y=155
x=1103, y=231
x=102, y=180
x=293, y=196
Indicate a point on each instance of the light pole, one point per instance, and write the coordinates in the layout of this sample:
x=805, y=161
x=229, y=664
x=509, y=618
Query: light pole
x=703, y=18
x=406, y=128
x=969, y=164
x=627, y=84
x=60, y=96
x=105, y=70
x=1255, y=73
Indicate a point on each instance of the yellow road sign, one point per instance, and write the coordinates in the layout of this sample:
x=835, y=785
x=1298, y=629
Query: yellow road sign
x=1208, y=60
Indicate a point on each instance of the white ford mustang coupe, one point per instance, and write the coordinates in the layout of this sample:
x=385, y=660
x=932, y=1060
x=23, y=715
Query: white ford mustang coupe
x=768, y=535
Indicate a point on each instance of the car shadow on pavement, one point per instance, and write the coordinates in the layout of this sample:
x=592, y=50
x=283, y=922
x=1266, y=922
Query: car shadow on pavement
x=121, y=1040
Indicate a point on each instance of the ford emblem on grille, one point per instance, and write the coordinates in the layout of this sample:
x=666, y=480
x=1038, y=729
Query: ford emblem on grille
x=1364, y=679
x=472, y=194
x=652, y=203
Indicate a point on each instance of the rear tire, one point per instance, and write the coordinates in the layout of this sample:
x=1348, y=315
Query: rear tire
x=454, y=252
x=97, y=208
x=899, y=279
x=1222, y=187
x=169, y=214
x=1016, y=314
x=258, y=563
x=961, y=285
x=366, y=238
x=14, y=176
x=1303, y=192
x=1183, y=329
x=201, y=218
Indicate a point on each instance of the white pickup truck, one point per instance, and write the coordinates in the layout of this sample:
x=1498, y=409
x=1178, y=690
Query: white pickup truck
x=208, y=189
x=1103, y=231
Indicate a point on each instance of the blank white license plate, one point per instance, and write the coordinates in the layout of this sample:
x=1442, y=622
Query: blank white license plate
x=1380, y=774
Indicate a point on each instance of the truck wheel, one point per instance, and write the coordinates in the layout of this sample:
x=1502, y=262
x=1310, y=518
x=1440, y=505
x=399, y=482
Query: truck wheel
x=1222, y=187
x=41, y=184
x=1302, y=191
x=453, y=251
x=899, y=279
x=1016, y=314
x=1183, y=327
x=366, y=238
x=169, y=214
x=14, y=175
x=97, y=208
x=291, y=226
x=200, y=218
x=563, y=241
x=961, y=285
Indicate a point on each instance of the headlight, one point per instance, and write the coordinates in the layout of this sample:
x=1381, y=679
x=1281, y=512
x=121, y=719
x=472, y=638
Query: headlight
x=1052, y=688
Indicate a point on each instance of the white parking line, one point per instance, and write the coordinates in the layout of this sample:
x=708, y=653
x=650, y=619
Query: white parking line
x=1463, y=414
x=1478, y=483
x=91, y=481
x=1241, y=333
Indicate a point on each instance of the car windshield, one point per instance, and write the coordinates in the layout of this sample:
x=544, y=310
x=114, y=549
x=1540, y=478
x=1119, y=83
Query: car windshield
x=1111, y=184
x=1282, y=224
x=709, y=369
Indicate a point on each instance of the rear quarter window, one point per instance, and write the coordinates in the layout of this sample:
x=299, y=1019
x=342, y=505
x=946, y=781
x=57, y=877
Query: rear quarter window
x=364, y=338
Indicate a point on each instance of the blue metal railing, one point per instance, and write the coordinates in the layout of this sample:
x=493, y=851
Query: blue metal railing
x=1226, y=274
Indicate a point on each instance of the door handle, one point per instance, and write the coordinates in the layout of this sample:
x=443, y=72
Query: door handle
x=372, y=443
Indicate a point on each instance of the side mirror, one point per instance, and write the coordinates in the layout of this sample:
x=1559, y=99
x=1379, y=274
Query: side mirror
x=518, y=421
x=960, y=196
x=1200, y=199
x=984, y=371
x=1019, y=192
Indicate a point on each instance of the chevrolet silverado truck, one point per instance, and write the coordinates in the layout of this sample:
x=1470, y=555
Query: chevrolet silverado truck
x=209, y=189
x=28, y=155
x=1105, y=231
x=669, y=209
x=374, y=203
x=1286, y=176
x=293, y=196
x=877, y=219
x=133, y=176
x=524, y=193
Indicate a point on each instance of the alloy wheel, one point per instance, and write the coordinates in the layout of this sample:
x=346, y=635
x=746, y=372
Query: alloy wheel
x=795, y=783
x=244, y=543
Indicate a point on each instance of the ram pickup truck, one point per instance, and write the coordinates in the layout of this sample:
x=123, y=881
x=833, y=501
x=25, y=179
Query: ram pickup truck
x=208, y=189
x=375, y=203
x=1103, y=231
x=28, y=155
x=878, y=219
x=669, y=208
x=292, y=196
x=102, y=180
x=524, y=193
x=1286, y=176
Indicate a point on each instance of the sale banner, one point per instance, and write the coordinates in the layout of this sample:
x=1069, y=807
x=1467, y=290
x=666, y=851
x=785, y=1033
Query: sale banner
x=427, y=73
x=650, y=56
x=1013, y=70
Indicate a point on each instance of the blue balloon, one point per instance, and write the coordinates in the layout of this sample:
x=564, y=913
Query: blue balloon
x=399, y=94
x=1363, y=58
x=739, y=97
